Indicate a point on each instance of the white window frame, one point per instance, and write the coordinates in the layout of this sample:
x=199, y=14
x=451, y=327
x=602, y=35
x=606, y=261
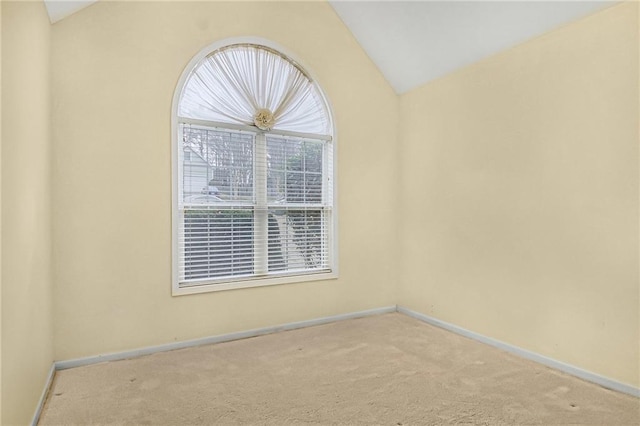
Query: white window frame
x=176, y=152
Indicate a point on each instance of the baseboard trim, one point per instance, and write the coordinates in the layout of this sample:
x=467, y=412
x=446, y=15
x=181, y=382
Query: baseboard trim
x=63, y=365
x=524, y=353
x=43, y=397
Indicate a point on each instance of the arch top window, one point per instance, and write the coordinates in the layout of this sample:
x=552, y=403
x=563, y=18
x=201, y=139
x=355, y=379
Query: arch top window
x=257, y=86
x=253, y=173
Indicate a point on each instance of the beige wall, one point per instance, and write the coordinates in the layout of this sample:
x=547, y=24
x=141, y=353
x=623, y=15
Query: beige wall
x=0, y=214
x=115, y=68
x=520, y=196
x=27, y=347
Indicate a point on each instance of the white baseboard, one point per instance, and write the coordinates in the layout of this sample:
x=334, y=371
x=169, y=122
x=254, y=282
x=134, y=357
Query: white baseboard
x=524, y=353
x=43, y=397
x=62, y=365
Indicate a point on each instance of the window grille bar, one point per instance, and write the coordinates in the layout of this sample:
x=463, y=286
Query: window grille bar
x=261, y=214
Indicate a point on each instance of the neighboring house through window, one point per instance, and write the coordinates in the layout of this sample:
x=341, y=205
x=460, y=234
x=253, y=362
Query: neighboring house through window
x=253, y=177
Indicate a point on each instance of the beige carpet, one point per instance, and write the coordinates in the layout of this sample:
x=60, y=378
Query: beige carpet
x=388, y=370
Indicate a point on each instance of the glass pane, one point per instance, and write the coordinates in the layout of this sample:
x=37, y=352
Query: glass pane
x=217, y=166
x=297, y=240
x=277, y=225
x=313, y=156
x=276, y=185
x=217, y=243
x=313, y=188
x=294, y=170
x=295, y=187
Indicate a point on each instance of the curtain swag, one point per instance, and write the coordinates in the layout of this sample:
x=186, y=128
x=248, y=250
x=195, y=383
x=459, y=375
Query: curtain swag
x=257, y=86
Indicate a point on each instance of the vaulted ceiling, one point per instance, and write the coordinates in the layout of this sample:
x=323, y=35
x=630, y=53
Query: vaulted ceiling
x=60, y=9
x=414, y=42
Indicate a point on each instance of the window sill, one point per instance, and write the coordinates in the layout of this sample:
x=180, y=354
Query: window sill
x=252, y=282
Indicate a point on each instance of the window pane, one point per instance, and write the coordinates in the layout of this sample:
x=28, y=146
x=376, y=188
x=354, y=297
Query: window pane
x=294, y=170
x=276, y=187
x=313, y=156
x=217, y=166
x=217, y=243
x=298, y=239
x=313, y=188
x=277, y=260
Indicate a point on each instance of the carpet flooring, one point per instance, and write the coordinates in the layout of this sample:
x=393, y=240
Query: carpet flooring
x=382, y=370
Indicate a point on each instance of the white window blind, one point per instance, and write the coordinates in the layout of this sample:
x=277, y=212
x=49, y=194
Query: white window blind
x=253, y=203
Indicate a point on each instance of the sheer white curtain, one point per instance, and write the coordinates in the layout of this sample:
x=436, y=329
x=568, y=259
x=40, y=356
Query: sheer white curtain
x=254, y=85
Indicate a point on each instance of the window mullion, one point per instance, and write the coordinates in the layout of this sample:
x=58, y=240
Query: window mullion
x=326, y=191
x=261, y=221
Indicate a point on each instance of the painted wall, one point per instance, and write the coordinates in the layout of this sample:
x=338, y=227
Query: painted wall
x=115, y=68
x=520, y=196
x=27, y=331
x=0, y=214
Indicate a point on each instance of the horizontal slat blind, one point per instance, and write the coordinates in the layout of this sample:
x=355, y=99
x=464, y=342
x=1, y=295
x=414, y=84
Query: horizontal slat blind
x=217, y=243
x=299, y=240
x=248, y=212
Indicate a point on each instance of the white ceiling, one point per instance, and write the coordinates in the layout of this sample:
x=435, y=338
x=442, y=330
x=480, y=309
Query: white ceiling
x=60, y=9
x=413, y=42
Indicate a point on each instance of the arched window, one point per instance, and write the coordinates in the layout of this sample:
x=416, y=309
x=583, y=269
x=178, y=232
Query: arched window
x=253, y=179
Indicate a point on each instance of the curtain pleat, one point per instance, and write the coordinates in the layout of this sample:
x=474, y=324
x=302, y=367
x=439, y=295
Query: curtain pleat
x=232, y=84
